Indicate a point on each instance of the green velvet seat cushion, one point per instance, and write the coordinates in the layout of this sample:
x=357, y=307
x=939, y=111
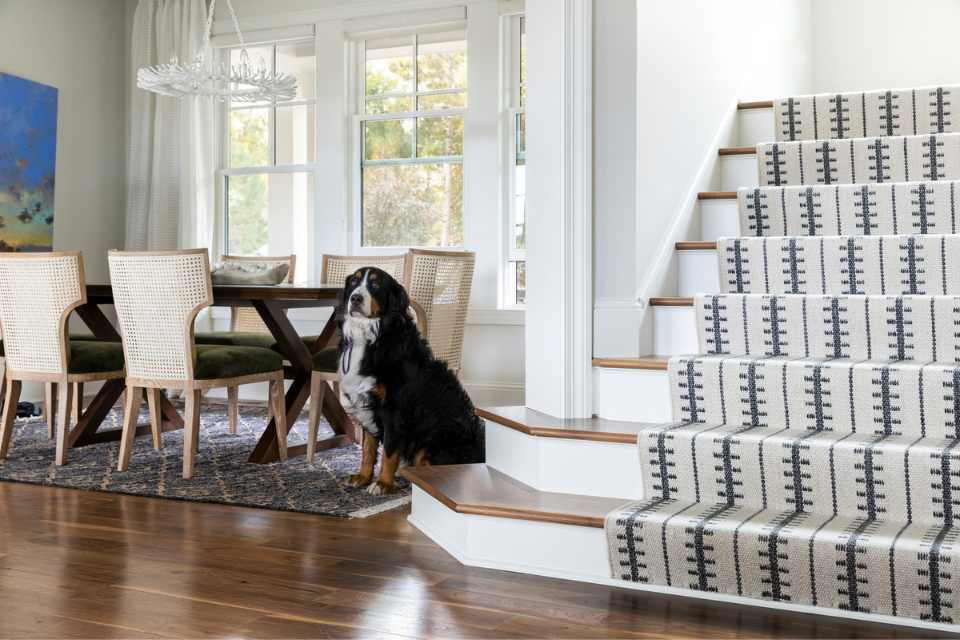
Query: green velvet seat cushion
x=244, y=339
x=73, y=336
x=326, y=360
x=95, y=356
x=230, y=361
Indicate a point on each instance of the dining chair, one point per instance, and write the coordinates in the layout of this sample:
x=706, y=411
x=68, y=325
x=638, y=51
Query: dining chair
x=38, y=293
x=334, y=270
x=157, y=296
x=440, y=283
x=247, y=328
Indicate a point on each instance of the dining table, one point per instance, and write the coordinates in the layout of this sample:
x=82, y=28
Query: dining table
x=272, y=303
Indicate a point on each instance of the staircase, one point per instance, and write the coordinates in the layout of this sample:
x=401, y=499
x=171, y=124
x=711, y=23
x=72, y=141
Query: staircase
x=806, y=458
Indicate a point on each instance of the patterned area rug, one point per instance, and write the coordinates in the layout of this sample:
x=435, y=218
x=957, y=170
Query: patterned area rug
x=221, y=472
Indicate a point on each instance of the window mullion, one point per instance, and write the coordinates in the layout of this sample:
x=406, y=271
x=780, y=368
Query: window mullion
x=416, y=100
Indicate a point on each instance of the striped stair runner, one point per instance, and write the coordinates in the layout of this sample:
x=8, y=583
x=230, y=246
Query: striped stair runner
x=815, y=453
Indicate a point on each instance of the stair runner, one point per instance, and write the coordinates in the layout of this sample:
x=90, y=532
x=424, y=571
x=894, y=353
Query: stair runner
x=890, y=112
x=815, y=457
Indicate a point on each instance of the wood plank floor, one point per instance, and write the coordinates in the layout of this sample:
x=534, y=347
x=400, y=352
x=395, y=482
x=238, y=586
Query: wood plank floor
x=92, y=565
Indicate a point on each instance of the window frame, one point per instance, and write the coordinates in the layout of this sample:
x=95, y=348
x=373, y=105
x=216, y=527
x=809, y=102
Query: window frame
x=225, y=171
x=358, y=161
x=512, y=106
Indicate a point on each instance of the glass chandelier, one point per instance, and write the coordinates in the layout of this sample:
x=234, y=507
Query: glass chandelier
x=205, y=76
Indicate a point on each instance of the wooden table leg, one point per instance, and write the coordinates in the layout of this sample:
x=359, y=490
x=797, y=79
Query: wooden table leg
x=301, y=360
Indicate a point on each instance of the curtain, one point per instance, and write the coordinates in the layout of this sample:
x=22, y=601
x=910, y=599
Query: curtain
x=171, y=159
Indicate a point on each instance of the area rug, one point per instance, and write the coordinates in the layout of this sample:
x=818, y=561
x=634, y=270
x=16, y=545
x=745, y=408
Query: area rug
x=221, y=471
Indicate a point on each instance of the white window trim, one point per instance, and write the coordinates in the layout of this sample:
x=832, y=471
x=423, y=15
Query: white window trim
x=510, y=107
x=357, y=106
x=221, y=243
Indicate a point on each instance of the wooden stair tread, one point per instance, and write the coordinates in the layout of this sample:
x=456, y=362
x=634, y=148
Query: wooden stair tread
x=671, y=301
x=480, y=490
x=756, y=104
x=717, y=195
x=696, y=245
x=539, y=424
x=647, y=363
x=738, y=151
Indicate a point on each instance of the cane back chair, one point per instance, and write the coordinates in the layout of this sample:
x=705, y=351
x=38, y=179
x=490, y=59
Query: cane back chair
x=157, y=296
x=38, y=293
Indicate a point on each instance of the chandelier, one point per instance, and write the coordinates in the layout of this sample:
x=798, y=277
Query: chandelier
x=205, y=76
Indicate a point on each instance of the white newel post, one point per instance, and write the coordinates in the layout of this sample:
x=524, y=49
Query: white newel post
x=559, y=207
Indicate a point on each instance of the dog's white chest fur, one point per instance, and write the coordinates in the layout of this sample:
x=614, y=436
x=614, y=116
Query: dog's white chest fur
x=359, y=334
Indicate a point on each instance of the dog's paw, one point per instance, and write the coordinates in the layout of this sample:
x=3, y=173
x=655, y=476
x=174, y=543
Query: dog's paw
x=357, y=480
x=381, y=489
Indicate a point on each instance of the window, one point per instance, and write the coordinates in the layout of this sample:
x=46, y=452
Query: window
x=515, y=181
x=410, y=139
x=268, y=159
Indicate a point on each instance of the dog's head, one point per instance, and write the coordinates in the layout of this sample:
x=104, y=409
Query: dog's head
x=370, y=292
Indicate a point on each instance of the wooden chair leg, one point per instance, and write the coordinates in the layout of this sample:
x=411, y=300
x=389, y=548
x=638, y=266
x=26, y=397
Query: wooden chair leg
x=233, y=408
x=156, y=419
x=77, y=401
x=191, y=424
x=9, y=414
x=279, y=416
x=50, y=408
x=131, y=409
x=196, y=422
x=65, y=402
x=318, y=387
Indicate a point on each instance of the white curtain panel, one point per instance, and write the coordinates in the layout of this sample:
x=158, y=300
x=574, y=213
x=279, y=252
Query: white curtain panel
x=171, y=160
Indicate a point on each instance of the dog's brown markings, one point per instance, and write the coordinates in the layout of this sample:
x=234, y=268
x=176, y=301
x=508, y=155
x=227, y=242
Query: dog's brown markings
x=420, y=460
x=374, y=308
x=388, y=472
x=379, y=391
x=370, y=448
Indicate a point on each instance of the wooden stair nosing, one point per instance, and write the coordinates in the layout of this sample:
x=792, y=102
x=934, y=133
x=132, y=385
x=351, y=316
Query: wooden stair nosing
x=534, y=423
x=477, y=489
x=696, y=245
x=671, y=301
x=644, y=363
x=717, y=195
x=756, y=104
x=738, y=151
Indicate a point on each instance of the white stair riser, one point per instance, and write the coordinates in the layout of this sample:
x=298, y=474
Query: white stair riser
x=697, y=272
x=571, y=552
x=674, y=331
x=719, y=219
x=562, y=465
x=632, y=394
x=738, y=171
x=755, y=126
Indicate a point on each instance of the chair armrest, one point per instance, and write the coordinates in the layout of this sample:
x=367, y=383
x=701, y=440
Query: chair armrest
x=419, y=317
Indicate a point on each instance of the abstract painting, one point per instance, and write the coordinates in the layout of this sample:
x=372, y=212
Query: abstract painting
x=28, y=156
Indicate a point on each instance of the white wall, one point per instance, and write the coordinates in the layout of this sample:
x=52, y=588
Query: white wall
x=694, y=60
x=78, y=47
x=877, y=44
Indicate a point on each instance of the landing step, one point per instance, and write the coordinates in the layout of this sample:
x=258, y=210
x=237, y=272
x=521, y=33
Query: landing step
x=535, y=423
x=648, y=363
x=479, y=490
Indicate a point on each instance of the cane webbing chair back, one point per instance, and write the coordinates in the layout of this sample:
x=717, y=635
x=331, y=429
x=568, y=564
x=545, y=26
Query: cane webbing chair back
x=38, y=291
x=157, y=295
x=335, y=269
x=440, y=282
x=247, y=319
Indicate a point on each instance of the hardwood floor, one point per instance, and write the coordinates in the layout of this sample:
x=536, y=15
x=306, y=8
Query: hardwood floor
x=90, y=565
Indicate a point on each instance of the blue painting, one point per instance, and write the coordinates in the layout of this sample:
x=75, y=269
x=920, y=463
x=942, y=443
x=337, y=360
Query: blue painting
x=28, y=157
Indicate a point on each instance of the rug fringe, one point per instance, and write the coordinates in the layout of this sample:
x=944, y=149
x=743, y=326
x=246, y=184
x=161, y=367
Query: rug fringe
x=380, y=508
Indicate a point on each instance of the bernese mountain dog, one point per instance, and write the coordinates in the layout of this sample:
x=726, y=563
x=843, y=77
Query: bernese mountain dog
x=394, y=387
